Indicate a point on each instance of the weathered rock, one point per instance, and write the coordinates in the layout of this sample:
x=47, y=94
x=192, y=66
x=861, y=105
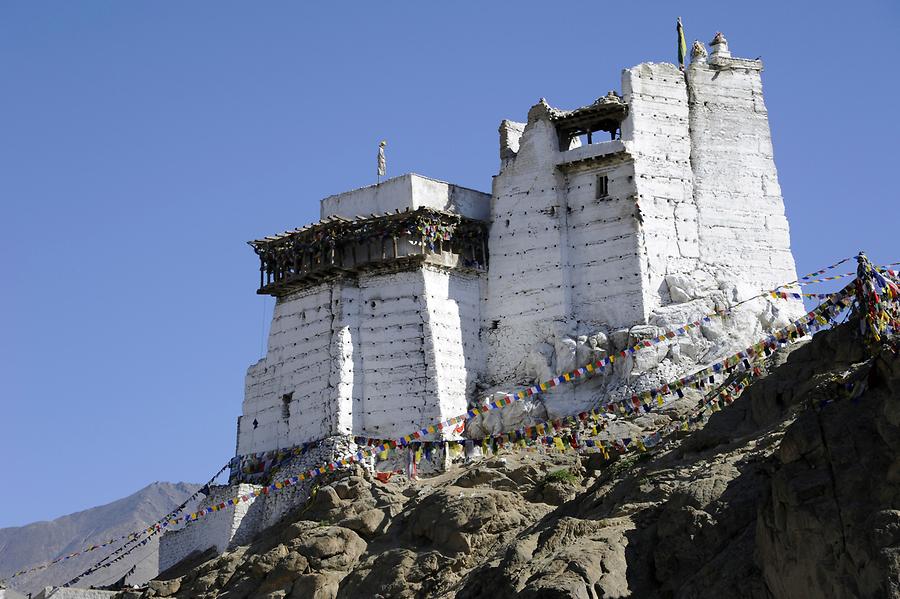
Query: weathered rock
x=368, y=523
x=455, y=520
x=164, y=588
x=777, y=496
x=316, y=586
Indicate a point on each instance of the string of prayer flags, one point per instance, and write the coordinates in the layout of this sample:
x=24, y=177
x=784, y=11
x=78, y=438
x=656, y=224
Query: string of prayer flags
x=877, y=297
x=824, y=270
x=127, y=538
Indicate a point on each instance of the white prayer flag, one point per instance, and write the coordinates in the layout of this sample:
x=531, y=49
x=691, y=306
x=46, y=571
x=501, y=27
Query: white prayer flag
x=381, y=161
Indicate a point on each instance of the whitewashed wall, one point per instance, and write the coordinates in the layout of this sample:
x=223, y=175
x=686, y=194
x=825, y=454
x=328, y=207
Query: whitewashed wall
x=298, y=361
x=528, y=293
x=657, y=135
x=693, y=195
x=379, y=357
x=395, y=381
x=453, y=302
x=743, y=230
x=220, y=529
x=604, y=253
x=408, y=191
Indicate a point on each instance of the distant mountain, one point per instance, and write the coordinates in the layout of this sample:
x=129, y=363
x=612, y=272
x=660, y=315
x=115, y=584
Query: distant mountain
x=33, y=544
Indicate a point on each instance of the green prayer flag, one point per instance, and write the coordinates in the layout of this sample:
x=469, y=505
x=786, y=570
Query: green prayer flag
x=682, y=45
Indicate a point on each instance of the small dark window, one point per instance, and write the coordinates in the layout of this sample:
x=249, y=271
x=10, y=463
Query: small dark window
x=286, y=405
x=602, y=186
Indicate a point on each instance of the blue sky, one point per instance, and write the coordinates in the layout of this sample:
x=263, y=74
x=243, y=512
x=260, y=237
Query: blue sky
x=144, y=142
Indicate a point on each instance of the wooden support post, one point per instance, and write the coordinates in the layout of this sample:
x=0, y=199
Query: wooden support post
x=394, y=240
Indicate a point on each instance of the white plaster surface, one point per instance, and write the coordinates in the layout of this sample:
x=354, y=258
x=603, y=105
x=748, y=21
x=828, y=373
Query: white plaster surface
x=408, y=191
x=220, y=529
x=68, y=593
x=693, y=221
x=376, y=357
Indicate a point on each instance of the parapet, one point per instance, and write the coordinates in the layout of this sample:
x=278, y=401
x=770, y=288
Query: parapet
x=395, y=225
x=408, y=192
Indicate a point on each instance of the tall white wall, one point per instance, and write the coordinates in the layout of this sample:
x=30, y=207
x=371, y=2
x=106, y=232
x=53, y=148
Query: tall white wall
x=743, y=229
x=693, y=192
x=657, y=134
x=604, y=254
x=378, y=356
x=454, y=318
x=528, y=292
x=220, y=529
x=419, y=350
x=299, y=361
x=396, y=385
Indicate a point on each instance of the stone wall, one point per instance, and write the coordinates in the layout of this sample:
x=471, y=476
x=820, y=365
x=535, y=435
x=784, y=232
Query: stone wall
x=528, y=293
x=377, y=356
x=658, y=138
x=70, y=593
x=743, y=230
x=409, y=191
x=220, y=529
x=275, y=506
x=692, y=196
x=298, y=361
x=603, y=249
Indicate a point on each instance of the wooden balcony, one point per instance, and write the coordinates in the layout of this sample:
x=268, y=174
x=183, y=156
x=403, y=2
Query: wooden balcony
x=338, y=248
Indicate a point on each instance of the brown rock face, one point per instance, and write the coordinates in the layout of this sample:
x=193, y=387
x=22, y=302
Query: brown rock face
x=830, y=525
x=783, y=494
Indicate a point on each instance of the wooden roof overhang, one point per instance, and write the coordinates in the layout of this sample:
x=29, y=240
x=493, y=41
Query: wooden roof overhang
x=606, y=114
x=336, y=227
x=327, y=250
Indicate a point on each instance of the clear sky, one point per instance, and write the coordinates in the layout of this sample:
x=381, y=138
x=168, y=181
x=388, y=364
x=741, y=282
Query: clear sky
x=142, y=143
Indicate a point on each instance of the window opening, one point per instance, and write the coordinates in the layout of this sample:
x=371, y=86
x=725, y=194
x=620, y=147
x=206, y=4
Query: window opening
x=286, y=405
x=602, y=186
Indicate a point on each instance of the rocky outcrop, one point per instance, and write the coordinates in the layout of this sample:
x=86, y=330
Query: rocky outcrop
x=792, y=491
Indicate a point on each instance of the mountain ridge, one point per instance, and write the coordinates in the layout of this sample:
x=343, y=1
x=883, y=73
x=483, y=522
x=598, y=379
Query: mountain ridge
x=38, y=542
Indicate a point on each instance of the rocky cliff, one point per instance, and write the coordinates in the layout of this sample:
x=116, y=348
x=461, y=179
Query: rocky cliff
x=792, y=491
